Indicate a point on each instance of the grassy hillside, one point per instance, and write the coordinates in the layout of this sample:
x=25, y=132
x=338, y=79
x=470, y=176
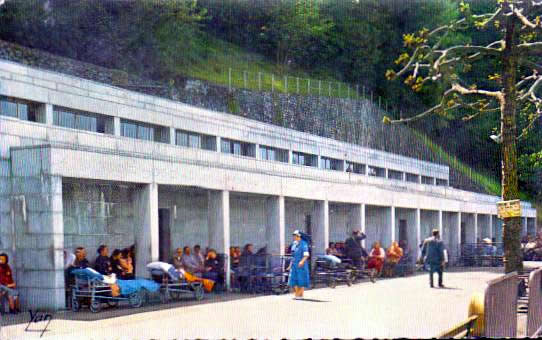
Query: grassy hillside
x=226, y=64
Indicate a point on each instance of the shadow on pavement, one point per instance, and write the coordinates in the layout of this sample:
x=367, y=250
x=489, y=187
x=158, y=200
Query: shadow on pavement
x=312, y=300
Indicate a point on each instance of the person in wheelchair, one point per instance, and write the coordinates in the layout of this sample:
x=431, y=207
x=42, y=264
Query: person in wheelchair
x=354, y=250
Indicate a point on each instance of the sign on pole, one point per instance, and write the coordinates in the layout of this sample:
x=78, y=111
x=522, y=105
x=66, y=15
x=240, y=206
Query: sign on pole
x=508, y=209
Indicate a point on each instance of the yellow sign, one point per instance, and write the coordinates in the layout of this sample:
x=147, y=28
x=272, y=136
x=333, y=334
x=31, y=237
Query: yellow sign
x=509, y=209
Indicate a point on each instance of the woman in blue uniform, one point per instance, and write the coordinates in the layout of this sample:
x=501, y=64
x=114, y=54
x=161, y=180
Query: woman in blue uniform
x=299, y=268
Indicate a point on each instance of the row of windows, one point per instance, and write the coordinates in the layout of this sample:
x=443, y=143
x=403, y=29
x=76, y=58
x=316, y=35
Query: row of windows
x=87, y=121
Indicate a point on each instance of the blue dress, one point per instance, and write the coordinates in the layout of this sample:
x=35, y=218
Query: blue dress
x=299, y=277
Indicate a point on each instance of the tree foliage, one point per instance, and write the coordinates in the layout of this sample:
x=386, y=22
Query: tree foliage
x=514, y=83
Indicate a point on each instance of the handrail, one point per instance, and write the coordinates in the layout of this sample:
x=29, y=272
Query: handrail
x=460, y=330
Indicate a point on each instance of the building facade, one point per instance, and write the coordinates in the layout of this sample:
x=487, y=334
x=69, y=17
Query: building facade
x=84, y=163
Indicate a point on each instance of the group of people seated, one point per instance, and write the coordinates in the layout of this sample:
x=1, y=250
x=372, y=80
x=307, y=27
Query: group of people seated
x=245, y=262
x=384, y=262
x=204, y=265
x=121, y=262
x=247, y=256
x=191, y=263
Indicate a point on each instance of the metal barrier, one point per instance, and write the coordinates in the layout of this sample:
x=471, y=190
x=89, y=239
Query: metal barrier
x=500, y=307
x=534, y=314
x=461, y=330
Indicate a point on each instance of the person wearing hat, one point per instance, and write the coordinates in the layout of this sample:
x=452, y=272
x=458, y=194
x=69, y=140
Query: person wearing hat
x=299, y=277
x=354, y=249
x=433, y=254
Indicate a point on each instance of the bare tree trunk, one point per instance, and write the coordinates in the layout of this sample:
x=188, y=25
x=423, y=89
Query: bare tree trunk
x=513, y=257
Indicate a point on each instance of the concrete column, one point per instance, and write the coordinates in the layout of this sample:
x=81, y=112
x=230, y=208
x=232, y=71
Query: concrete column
x=363, y=222
x=146, y=233
x=392, y=220
x=219, y=225
x=524, y=226
x=459, y=233
x=37, y=218
x=440, y=225
x=218, y=148
x=257, y=151
x=319, y=166
x=116, y=126
x=275, y=228
x=386, y=175
x=345, y=165
x=404, y=176
x=290, y=157
x=320, y=231
x=48, y=114
x=491, y=226
x=475, y=227
x=418, y=231
x=172, y=136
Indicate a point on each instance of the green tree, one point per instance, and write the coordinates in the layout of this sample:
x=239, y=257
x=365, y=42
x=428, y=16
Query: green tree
x=296, y=32
x=516, y=78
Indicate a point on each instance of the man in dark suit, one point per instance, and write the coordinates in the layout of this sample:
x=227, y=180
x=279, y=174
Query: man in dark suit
x=354, y=249
x=433, y=254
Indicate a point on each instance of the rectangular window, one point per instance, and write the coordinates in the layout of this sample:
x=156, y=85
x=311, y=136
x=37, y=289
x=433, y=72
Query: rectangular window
x=129, y=129
x=8, y=108
x=182, y=138
x=442, y=182
x=19, y=108
x=331, y=164
x=237, y=148
x=428, y=180
x=355, y=168
x=273, y=154
x=376, y=171
x=194, y=141
x=144, y=131
x=81, y=120
x=394, y=174
x=412, y=178
x=305, y=159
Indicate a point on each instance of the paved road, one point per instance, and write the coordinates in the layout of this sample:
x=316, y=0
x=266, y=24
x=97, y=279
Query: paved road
x=402, y=307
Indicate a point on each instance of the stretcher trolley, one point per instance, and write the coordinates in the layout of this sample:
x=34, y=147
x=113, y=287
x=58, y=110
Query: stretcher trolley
x=173, y=285
x=91, y=290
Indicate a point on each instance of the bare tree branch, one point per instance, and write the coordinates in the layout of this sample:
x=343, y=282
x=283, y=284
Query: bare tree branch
x=464, y=91
x=524, y=20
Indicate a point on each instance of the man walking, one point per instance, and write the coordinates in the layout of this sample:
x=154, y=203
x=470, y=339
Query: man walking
x=433, y=254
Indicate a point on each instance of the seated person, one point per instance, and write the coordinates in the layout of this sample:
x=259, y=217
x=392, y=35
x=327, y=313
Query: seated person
x=190, y=263
x=177, y=259
x=234, y=255
x=376, y=258
x=260, y=257
x=246, y=261
x=198, y=256
x=116, y=268
x=394, y=255
x=103, y=262
x=80, y=261
x=332, y=250
x=125, y=262
x=212, y=268
x=334, y=260
x=69, y=258
x=80, y=258
x=7, y=284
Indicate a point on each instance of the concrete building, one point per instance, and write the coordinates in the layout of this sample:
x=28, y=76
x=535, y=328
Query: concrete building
x=83, y=163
